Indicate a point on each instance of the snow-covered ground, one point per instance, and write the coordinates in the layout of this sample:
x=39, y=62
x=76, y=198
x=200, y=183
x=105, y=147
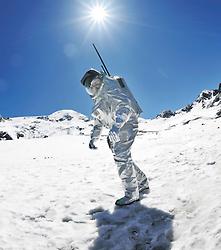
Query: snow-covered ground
x=56, y=193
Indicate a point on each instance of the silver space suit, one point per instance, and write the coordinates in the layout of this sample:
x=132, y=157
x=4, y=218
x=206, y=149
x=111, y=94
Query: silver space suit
x=116, y=109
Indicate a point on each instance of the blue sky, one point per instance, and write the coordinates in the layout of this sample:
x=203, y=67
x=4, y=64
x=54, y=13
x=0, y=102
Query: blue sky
x=167, y=50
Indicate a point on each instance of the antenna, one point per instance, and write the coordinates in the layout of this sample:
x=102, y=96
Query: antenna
x=103, y=66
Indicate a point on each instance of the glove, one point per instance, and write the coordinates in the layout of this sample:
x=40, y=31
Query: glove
x=110, y=145
x=113, y=136
x=91, y=144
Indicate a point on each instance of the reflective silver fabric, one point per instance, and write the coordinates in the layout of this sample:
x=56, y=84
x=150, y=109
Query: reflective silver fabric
x=115, y=107
x=132, y=177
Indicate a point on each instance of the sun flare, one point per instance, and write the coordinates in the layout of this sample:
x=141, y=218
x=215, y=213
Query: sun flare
x=98, y=14
x=98, y=17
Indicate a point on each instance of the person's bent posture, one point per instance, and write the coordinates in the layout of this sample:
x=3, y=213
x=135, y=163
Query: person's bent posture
x=116, y=108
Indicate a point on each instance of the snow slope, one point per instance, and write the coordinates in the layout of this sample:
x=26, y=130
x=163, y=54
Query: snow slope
x=55, y=193
x=59, y=123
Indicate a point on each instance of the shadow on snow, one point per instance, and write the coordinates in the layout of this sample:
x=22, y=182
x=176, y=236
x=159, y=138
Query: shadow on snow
x=134, y=227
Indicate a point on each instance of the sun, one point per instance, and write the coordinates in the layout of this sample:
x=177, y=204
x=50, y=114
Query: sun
x=96, y=18
x=98, y=14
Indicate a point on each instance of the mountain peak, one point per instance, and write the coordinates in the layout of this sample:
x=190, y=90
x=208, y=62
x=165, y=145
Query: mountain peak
x=209, y=98
x=62, y=122
x=206, y=99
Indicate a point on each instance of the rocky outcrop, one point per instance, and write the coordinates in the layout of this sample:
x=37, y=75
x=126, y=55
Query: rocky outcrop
x=63, y=122
x=19, y=135
x=209, y=98
x=218, y=114
x=2, y=119
x=187, y=108
x=5, y=136
x=166, y=114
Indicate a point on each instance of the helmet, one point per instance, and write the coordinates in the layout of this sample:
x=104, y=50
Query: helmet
x=89, y=76
x=92, y=82
x=94, y=87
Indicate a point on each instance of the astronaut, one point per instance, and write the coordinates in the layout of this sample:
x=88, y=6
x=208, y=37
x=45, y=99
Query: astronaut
x=116, y=109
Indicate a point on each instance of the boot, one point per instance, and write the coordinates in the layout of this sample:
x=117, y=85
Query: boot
x=143, y=191
x=126, y=201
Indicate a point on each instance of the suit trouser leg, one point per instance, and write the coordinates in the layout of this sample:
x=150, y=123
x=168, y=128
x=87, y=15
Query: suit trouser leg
x=126, y=170
x=125, y=164
x=141, y=177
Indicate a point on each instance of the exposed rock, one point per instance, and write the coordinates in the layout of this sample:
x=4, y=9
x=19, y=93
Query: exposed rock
x=67, y=219
x=218, y=114
x=210, y=98
x=2, y=119
x=166, y=114
x=43, y=118
x=211, y=163
x=19, y=135
x=67, y=122
x=187, y=108
x=66, y=117
x=205, y=95
x=187, y=122
x=5, y=136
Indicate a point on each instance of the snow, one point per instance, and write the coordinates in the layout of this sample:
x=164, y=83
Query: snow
x=64, y=122
x=56, y=193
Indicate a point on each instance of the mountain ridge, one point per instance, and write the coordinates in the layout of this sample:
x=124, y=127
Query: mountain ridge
x=206, y=99
x=69, y=122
